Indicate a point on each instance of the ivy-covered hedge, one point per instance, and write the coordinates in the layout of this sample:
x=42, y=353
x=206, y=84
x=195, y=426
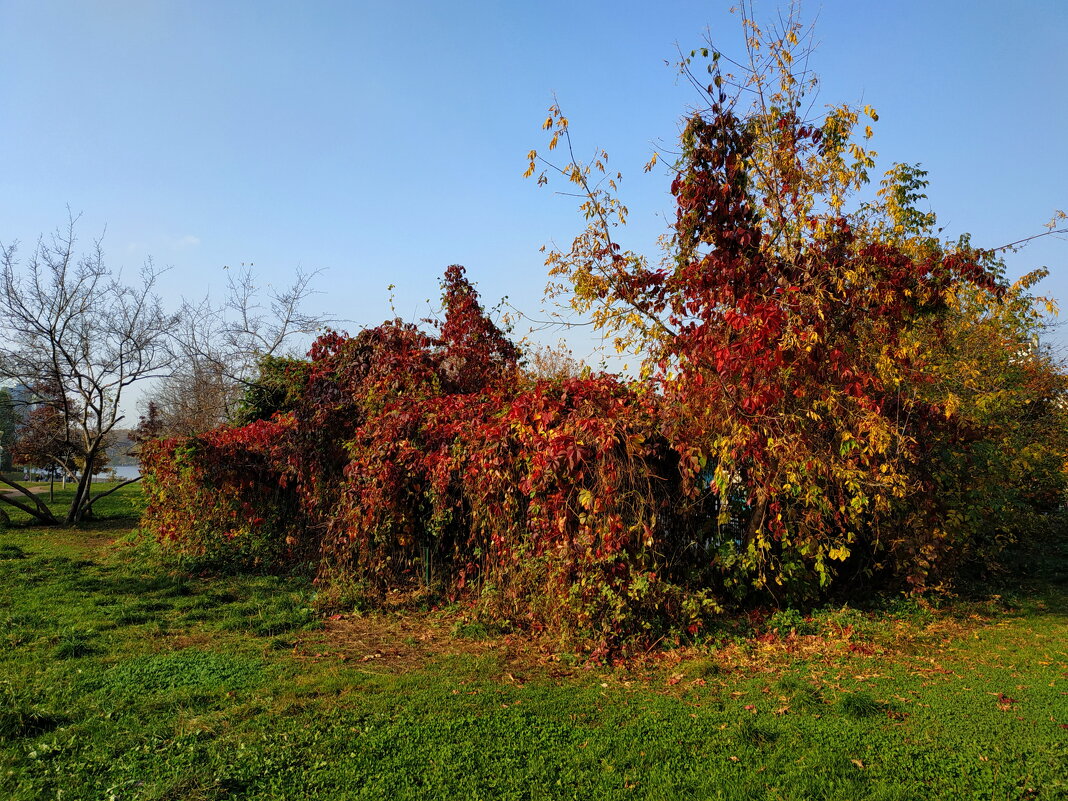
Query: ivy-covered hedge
x=404, y=466
x=221, y=498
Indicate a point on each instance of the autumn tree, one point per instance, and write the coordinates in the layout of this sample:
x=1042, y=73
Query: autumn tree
x=46, y=441
x=781, y=323
x=554, y=363
x=8, y=424
x=1002, y=480
x=194, y=397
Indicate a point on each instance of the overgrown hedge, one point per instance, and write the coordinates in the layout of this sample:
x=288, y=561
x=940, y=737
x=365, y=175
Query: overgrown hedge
x=402, y=467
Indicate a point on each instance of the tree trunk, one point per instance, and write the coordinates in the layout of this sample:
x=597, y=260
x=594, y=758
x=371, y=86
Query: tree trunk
x=756, y=518
x=108, y=492
x=39, y=511
x=80, y=506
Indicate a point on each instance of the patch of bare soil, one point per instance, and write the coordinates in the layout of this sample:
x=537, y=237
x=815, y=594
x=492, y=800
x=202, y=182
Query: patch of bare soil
x=383, y=643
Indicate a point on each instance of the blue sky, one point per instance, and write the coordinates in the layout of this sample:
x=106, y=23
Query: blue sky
x=381, y=142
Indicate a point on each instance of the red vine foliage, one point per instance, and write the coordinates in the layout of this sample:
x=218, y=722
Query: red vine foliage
x=410, y=463
x=788, y=375
x=788, y=439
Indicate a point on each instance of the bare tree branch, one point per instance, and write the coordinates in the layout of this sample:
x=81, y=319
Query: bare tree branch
x=220, y=348
x=70, y=323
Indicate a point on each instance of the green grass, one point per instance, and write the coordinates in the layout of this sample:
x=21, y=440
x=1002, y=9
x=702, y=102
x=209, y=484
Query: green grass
x=122, y=678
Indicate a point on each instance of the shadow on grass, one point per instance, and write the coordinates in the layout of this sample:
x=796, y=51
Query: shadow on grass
x=20, y=718
x=130, y=593
x=21, y=723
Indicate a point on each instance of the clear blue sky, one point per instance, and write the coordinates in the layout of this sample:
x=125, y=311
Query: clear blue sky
x=382, y=141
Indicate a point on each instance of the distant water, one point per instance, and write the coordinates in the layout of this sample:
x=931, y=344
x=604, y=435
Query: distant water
x=126, y=471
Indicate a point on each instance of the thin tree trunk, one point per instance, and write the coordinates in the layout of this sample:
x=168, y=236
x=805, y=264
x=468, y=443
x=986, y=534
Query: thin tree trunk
x=78, y=506
x=756, y=518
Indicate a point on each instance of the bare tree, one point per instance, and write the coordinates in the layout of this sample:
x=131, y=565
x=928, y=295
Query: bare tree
x=69, y=322
x=219, y=349
x=195, y=397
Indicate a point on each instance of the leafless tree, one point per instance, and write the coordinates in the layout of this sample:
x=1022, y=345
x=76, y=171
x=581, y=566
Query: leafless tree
x=195, y=397
x=219, y=348
x=68, y=321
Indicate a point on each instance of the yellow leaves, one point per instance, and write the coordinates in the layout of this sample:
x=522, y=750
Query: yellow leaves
x=838, y=552
x=951, y=405
x=652, y=162
x=556, y=118
x=532, y=157
x=554, y=141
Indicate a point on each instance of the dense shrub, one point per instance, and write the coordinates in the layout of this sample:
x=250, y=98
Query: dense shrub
x=833, y=399
x=409, y=464
x=405, y=466
x=221, y=498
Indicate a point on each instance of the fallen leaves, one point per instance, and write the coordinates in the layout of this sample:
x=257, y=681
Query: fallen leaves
x=1004, y=702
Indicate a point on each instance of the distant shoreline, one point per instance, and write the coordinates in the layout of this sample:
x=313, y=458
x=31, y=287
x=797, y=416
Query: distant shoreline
x=125, y=471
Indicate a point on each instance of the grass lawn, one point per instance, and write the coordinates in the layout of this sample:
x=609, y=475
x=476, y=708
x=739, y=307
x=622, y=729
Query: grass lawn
x=123, y=678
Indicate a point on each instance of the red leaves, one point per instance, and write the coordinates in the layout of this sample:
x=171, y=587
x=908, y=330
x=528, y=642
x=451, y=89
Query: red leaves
x=409, y=458
x=475, y=353
x=786, y=341
x=1004, y=702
